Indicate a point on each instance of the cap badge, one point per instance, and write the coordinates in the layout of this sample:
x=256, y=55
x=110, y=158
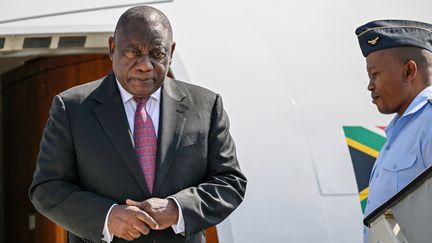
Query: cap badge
x=373, y=41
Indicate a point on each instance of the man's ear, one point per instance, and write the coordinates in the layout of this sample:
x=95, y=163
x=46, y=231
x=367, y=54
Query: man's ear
x=410, y=71
x=173, y=45
x=111, y=43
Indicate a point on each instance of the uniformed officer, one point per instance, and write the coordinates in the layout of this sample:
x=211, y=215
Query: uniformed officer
x=399, y=64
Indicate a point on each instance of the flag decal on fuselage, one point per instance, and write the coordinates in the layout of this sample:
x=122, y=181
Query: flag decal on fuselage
x=364, y=144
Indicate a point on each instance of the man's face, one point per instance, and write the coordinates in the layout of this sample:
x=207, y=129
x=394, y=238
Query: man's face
x=141, y=54
x=388, y=86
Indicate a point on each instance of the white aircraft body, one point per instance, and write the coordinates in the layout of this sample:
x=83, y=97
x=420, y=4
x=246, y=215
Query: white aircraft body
x=291, y=75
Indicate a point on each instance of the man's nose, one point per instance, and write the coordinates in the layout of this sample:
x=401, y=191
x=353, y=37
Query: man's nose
x=144, y=63
x=371, y=85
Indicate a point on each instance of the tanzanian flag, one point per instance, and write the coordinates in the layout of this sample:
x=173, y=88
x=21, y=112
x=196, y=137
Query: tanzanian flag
x=364, y=144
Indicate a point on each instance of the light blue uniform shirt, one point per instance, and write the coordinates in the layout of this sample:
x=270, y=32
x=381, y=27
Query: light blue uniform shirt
x=407, y=152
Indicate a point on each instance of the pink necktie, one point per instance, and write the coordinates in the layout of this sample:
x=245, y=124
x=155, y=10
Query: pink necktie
x=145, y=141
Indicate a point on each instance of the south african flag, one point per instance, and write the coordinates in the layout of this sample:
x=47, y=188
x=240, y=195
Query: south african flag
x=364, y=144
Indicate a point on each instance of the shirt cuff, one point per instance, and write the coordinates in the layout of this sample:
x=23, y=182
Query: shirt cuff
x=106, y=236
x=180, y=226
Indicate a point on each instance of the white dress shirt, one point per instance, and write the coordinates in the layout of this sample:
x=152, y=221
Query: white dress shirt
x=153, y=109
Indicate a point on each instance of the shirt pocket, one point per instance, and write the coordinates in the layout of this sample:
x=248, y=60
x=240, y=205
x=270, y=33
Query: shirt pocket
x=401, y=169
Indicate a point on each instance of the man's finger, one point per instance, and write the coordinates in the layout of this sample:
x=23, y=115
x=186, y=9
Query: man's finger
x=141, y=227
x=144, y=217
x=134, y=233
x=131, y=202
x=127, y=237
x=141, y=205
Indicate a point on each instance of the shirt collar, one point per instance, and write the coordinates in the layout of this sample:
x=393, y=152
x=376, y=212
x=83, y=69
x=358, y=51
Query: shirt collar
x=126, y=96
x=419, y=101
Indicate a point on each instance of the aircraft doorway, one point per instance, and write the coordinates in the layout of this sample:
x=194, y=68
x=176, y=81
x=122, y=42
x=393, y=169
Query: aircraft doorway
x=27, y=93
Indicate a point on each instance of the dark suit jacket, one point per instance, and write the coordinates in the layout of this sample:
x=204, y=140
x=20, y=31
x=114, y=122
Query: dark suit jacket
x=87, y=161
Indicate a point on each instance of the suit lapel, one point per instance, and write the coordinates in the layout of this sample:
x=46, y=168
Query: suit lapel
x=112, y=117
x=174, y=107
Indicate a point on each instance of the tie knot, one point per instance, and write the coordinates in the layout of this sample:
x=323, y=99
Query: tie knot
x=141, y=101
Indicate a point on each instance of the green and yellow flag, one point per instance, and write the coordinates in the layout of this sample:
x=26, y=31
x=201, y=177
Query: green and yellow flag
x=364, y=144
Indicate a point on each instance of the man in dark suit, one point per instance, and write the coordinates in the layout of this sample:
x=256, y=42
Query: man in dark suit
x=137, y=155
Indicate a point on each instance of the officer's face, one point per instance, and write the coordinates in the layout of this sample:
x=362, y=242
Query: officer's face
x=388, y=86
x=141, y=54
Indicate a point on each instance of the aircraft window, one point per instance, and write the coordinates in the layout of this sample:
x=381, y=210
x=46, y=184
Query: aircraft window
x=71, y=41
x=37, y=42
